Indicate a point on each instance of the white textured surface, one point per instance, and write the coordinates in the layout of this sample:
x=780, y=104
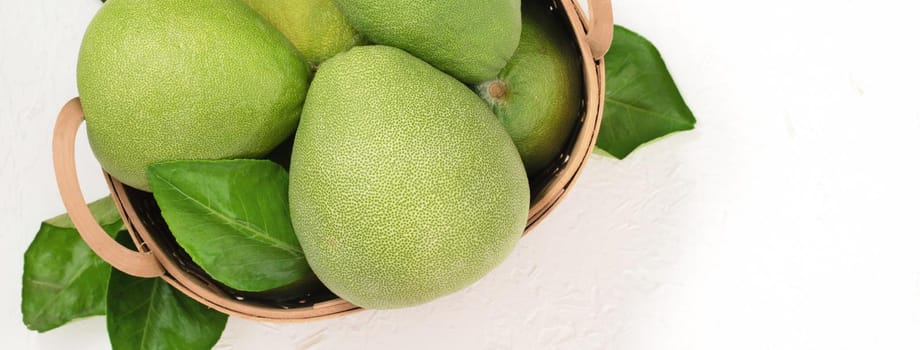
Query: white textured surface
x=787, y=220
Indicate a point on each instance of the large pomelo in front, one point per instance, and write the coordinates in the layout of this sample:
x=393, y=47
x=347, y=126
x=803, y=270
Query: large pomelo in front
x=185, y=79
x=404, y=185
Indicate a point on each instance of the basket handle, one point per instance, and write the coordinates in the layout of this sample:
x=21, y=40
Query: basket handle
x=65, y=169
x=600, y=29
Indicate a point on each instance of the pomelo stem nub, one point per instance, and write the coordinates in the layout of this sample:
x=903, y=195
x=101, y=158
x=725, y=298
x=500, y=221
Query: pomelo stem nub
x=497, y=89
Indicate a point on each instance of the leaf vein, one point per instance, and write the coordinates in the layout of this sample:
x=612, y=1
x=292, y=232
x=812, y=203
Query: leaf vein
x=253, y=233
x=663, y=116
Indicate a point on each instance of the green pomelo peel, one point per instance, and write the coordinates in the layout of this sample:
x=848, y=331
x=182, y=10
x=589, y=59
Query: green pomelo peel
x=185, y=79
x=537, y=95
x=404, y=187
x=471, y=42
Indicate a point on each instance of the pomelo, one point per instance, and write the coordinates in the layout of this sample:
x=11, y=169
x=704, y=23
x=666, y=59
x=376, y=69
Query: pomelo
x=185, y=79
x=471, y=41
x=537, y=96
x=315, y=27
x=404, y=187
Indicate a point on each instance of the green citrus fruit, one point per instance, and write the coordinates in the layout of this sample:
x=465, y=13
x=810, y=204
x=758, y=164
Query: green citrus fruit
x=404, y=186
x=315, y=27
x=537, y=96
x=185, y=79
x=470, y=41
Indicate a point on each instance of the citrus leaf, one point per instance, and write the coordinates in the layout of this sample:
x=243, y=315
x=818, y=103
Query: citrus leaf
x=642, y=102
x=103, y=210
x=147, y=313
x=62, y=278
x=232, y=218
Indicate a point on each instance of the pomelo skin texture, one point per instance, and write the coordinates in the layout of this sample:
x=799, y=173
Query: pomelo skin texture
x=404, y=186
x=315, y=27
x=470, y=41
x=185, y=79
x=537, y=96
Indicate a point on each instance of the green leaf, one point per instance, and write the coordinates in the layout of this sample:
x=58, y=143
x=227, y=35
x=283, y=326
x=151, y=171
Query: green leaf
x=232, y=218
x=104, y=211
x=641, y=103
x=147, y=313
x=63, y=279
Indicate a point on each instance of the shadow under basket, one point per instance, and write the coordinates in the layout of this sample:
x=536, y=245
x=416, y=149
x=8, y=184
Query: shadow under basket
x=159, y=256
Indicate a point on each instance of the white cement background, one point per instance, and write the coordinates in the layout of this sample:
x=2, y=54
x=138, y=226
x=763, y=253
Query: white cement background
x=786, y=220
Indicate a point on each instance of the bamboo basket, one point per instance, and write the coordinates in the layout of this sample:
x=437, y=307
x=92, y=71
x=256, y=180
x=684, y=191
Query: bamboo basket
x=158, y=256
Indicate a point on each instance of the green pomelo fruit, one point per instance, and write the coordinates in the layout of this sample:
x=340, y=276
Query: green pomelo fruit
x=537, y=96
x=404, y=186
x=470, y=41
x=315, y=27
x=185, y=79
